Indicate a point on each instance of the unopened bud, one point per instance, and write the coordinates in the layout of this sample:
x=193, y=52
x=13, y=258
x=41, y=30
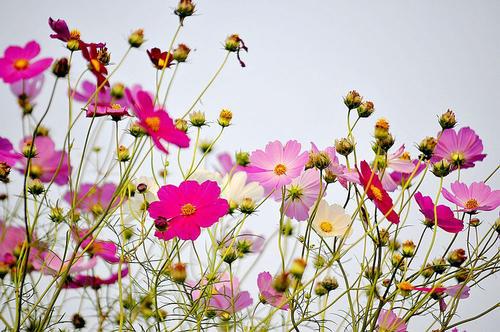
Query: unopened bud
x=118, y=90
x=78, y=321
x=247, y=206
x=123, y=154
x=225, y=117
x=184, y=9
x=439, y=265
x=457, y=257
x=447, y=120
x=427, y=146
x=298, y=267
x=408, y=248
x=344, y=146
x=197, y=119
x=281, y=282
x=29, y=150
x=4, y=172
x=181, y=125
x=330, y=283
x=60, y=68
x=56, y=215
x=474, y=222
x=229, y=255
x=365, y=109
x=181, y=53
x=319, y=289
x=428, y=271
x=242, y=158
x=441, y=168
x=232, y=43
x=136, y=38
x=353, y=100
x=381, y=129
x=136, y=130
x=178, y=272
x=103, y=56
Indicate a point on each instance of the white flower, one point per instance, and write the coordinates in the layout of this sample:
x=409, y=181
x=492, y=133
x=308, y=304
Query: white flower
x=235, y=188
x=331, y=220
x=138, y=204
x=202, y=174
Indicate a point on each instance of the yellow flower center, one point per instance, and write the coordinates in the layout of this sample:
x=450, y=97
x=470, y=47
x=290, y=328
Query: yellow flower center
x=405, y=286
x=280, y=169
x=376, y=192
x=153, y=123
x=326, y=226
x=405, y=156
x=36, y=171
x=188, y=209
x=382, y=124
x=95, y=64
x=471, y=204
x=21, y=64
x=116, y=106
x=74, y=34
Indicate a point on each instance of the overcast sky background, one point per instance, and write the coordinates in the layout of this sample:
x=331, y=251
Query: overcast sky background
x=414, y=59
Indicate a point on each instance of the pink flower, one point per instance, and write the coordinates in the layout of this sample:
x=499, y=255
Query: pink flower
x=48, y=163
x=228, y=165
x=93, y=198
x=268, y=294
x=277, y=166
x=82, y=281
x=400, y=164
x=50, y=263
x=182, y=211
x=17, y=63
x=107, y=250
x=12, y=239
x=157, y=122
x=445, y=218
x=461, y=149
x=227, y=297
x=476, y=197
x=397, y=178
x=29, y=88
x=301, y=194
x=343, y=174
x=105, y=105
x=389, y=322
x=60, y=28
x=7, y=153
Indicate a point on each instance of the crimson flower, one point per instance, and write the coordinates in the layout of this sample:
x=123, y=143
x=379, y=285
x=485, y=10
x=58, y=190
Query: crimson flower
x=90, y=53
x=160, y=59
x=376, y=192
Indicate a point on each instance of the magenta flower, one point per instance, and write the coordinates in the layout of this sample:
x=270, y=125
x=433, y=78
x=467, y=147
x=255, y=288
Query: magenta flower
x=389, y=322
x=181, y=211
x=48, y=164
x=29, y=88
x=18, y=62
x=82, y=281
x=156, y=121
x=344, y=174
x=445, y=218
x=301, y=194
x=227, y=297
x=12, y=239
x=62, y=32
x=277, y=166
x=93, y=198
x=107, y=250
x=7, y=153
x=461, y=149
x=268, y=294
x=476, y=197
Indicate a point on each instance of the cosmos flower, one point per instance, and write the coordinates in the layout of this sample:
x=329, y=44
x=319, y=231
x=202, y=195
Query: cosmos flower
x=376, y=193
x=301, y=194
x=90, y=52
x=460, y=149
x=50, y=263
x=235, y=189
x=268, y=294
x=331, y=220
x=106, y=250
x=388, y=321
x=104, y=104
x=156, y=121
x=476, y=197
x=93, y=198
x=19, y=63
x=183, y=210
x=29, y=88
x=160, y=59
x=7, y=153
x=48, y=162
x=277, y=166
x=227, y=164
x=82, y=281
x=396, y=178
x=12, y=239
x=227, y=296
x=445, y=218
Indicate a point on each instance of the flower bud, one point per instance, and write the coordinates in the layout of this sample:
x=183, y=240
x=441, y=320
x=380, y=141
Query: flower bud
x=197, y=119
x=136, y=38
x=441, y=168
x=447, y=120
x=298, y=267
x=178, y=272
x=353, y=100
x=344, y=146
x=320, y=160
x=330, y=283
x=457, y=257
x=184, y=9
x=428, y=271
x=232, y=43
x=247, y=206
x=206, y=146
x=103, y=56
x=142, y=187
x=383, y=238
x=225, y=117
x=427, y=146
x=42, y=131
x=78, y=321
x=229, y=255
x=36, y=187
x=408, y=248
x=4, y=172
x=439, y=265
x=371, y=273
x=118, y=90
x=394, y=245
x=461, y=275
x=181, y=125
x=365, y=109
x=60, y=68
x=319, y=289
x=287, y=229
x=381, y=128
x=56, y=215
x=474, y=222
x=281, y=282
x=242, y=158
x=29, y=150
x=181, y=53
x=136, y=130
x=397, y=260
x=73, y=45
x=384, y=144
x=405, y=288
x=244, y=246
x=123, y=154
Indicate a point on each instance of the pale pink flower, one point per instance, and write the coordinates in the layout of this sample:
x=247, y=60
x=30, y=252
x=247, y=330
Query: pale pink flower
x=476, y=197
